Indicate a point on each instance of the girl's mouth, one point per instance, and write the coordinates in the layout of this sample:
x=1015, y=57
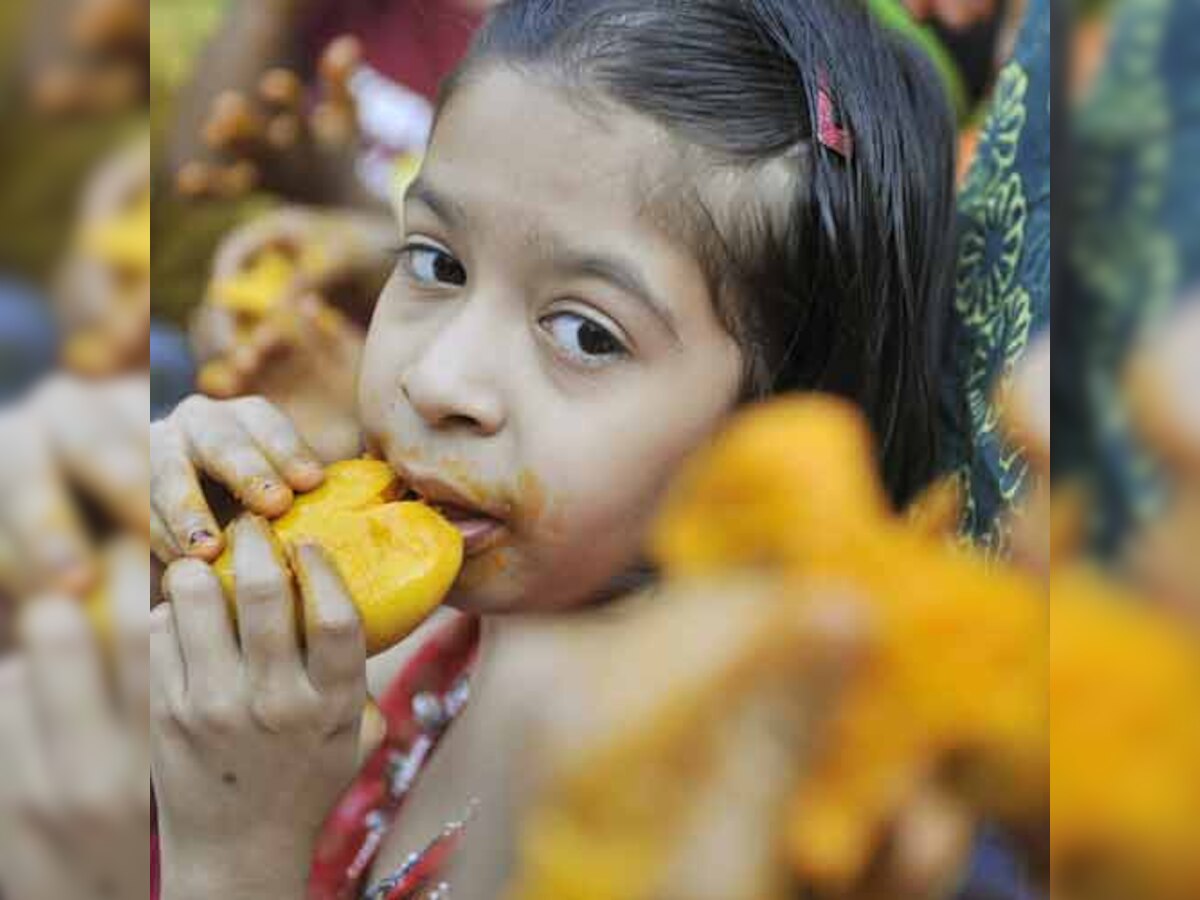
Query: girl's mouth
x=480, y=532
x=481, y=529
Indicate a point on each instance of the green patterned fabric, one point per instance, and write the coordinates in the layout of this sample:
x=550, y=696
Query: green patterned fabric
x=1135, y=246
x=1002, y=296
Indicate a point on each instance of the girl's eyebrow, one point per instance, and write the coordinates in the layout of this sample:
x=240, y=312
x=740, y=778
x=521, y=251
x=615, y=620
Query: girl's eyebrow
x=618, y=272
x=448, y=210
x=623, y=276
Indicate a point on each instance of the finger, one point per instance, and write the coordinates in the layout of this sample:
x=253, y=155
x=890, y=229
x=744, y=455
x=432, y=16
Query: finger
x=168, y=681
x=178, y=501
x=129, y=596
x=221, y=380
x=162, y=542
x=333, y=125
x=22, y=759
x=69, y=688
x=279, y=440
x=100, y=453
x=202, y=626
x=281, y=89
x=233, y=123
x=337, y=66
x=212, y=332
x=130, y=398
x=322, y=327
x=236, y=179
x=290, y=225
x=196, y=180
x=337, y=655
x=251, y=359
x=266, y=611
x=284, y=132
x=219, y=445
x=37, y=513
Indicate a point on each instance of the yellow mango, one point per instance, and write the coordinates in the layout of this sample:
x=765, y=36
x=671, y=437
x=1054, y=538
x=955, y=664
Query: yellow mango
x=791, y=480
x=257, y=289
x=397, y=559
x=955, y=673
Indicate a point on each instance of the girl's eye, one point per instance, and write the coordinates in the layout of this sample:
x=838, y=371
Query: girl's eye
x=433, y=266
x=583, y=339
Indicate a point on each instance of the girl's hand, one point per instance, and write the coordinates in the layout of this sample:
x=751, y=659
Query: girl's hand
x=269, y=138
x=93, y=436
x=87, y=57
x=74, y=791
x=302, y=350
x=102, y=287
x=246, y=445
x=252, y=739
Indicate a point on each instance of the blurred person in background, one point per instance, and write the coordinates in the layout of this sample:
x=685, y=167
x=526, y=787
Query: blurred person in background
x=327, y=104
x=320, y=98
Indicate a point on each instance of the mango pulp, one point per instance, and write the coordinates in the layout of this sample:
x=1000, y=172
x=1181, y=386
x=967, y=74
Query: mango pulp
x=258, y=288
x=397, y=559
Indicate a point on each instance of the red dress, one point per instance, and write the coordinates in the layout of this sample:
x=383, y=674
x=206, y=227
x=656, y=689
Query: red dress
x=419, y=705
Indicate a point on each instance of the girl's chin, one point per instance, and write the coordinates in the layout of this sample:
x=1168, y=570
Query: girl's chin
x=486, y=585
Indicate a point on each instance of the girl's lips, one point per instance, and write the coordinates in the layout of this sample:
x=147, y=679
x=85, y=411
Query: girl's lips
x=480, y=532
x=481, y=528
x=480, y=535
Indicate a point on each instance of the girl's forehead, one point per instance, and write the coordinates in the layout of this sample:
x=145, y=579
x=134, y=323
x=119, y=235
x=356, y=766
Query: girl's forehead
x=516, y=145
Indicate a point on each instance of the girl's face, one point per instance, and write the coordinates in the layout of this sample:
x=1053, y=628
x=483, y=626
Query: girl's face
x=544, y=354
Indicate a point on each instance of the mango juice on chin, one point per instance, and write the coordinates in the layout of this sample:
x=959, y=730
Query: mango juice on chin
x=397, y=559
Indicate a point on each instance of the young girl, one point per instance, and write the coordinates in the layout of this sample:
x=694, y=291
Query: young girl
x=633, y=217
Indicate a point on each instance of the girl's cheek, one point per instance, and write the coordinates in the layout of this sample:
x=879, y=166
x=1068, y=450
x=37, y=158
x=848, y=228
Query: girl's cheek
x=381, y=377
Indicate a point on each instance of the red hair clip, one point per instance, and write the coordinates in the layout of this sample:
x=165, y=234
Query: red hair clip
x=831, y=135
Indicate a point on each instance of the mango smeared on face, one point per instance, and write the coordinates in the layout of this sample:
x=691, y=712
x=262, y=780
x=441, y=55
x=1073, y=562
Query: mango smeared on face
x=397, y=559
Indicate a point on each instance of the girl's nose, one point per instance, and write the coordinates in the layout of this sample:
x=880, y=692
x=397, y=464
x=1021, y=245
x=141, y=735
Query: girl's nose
x=451, y=385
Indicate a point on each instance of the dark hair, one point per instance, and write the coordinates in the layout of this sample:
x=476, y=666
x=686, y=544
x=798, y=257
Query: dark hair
x=834, y=273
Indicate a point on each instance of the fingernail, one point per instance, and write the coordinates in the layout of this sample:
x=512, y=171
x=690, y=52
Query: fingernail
x=305, y=473
x=271, y=492
x=200, y=536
